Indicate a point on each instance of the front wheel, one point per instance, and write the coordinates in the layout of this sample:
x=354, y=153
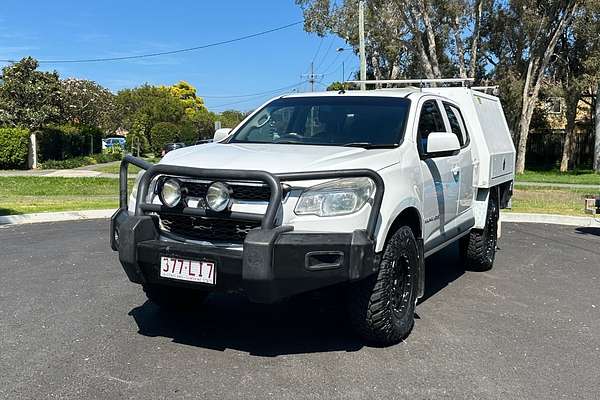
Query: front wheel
x=382, y=306
x=479, y=246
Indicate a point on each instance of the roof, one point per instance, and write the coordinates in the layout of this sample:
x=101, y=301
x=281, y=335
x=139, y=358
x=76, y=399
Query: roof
x=396, y=92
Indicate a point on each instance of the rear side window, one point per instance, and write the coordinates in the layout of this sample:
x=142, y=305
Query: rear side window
x=430, y=120
x=457, y=124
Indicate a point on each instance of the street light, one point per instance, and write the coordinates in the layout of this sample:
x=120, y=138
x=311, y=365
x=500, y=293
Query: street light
x=339, y=50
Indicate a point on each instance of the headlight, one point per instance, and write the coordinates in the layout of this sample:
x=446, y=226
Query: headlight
x=340, y=197
x=218, y=196
x=170, y=192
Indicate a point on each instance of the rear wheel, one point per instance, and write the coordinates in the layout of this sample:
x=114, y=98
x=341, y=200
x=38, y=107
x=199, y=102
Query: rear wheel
x=382, y=306
x=479, y=246
x=174, y=298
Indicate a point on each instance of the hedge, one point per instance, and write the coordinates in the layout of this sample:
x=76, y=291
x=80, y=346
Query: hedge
x=14, y=148
x=163, y=133
x=82, y=161
x=67, y=141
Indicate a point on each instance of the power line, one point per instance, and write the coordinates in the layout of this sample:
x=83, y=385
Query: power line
x=318, y=49
x=258, y=96
x=326, y=53
x=164, y=53
x=251, y=94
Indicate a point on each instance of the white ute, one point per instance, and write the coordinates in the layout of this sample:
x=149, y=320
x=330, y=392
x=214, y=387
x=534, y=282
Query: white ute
x=351, y=189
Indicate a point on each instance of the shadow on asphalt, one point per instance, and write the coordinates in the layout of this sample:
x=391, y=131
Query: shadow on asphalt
x=588, y=231
x=305, y=324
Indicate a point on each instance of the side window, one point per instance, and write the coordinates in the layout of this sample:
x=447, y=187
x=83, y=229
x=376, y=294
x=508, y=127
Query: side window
x=430, y=120
x=456, y=123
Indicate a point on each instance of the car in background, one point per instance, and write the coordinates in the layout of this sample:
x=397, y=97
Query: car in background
x=170, y=147
x=203, y=141
x=109, y=143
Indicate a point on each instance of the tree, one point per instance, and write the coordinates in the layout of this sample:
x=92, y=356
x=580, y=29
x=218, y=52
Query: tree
x=523, y=39
x=163, y=133
x=87, y=103
x=178, y=105
x=597, y=130
x=231, y=118
x=577, y=46
x=407, y=38
x=28, y=97
x=145, y=106
x=187, y=94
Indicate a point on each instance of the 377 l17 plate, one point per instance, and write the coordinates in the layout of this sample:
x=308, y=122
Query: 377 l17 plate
x=188, y=270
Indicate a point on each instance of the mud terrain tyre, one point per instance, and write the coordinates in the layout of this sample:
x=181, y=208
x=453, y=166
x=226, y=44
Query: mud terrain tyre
x=174, y=298
x=479, y=246
x=382, y=306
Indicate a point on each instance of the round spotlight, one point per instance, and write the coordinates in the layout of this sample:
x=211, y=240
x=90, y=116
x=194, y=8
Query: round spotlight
x=170, y=193
x=218, y=196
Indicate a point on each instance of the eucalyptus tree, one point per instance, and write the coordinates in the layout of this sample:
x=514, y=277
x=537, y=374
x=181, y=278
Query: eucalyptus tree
x=576, y=61
x=408, y=38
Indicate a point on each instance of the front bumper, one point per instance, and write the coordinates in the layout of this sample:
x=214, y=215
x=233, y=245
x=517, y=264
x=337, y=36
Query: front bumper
x=274, y=263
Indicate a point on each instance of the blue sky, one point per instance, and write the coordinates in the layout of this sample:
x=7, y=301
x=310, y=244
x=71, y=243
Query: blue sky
x=61, y=29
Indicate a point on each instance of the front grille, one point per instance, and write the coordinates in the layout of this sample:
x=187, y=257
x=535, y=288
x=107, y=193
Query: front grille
x=209, y=229
x=240, y=192
x=213, y=229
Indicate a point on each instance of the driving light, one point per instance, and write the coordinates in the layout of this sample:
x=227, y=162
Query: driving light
x=218, y=196
x=170, y=192
x=339, y=197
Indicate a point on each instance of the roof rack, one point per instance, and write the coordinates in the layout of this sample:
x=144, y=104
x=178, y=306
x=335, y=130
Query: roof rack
x=422, y=82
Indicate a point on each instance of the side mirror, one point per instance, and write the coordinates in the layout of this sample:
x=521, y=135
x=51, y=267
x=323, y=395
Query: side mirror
x=442, y=142
x=221, y=134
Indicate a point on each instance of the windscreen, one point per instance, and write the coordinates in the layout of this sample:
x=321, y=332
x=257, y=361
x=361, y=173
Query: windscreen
x=333, y=120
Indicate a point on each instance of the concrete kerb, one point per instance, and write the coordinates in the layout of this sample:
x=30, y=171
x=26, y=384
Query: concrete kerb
x=55, y=217
x=551, y=219
x=104, y=214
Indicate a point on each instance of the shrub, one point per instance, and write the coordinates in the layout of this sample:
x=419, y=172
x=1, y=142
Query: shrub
x=163, y=133
x=81, y=161
x=14, y=148
x=67, y=141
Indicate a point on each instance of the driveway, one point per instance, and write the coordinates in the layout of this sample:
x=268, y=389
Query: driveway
x=72, y=326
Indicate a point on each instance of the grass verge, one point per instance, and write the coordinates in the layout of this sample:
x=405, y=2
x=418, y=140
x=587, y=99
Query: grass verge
x=550, y=200
x=113, y=168
x=29, y=194
x=581, y=177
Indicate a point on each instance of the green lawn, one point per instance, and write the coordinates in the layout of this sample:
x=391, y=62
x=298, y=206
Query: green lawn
x=20, y=195
x=587, y=177
x=549, y=200
x=113, y=168
x=28, y=194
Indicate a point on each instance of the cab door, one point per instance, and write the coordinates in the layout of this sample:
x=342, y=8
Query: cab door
x=441, y=185
x=464, y=165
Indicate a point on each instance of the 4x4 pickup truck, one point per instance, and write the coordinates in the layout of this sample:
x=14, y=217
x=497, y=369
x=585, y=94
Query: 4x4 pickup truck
x=315, y=190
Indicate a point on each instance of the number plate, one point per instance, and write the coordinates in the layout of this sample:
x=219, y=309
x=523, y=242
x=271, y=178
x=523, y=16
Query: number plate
x=188, y=270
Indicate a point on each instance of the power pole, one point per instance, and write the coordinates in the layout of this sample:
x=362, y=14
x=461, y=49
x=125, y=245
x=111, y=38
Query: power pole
x=597, y=131
x=312, y=78
x=361, y=34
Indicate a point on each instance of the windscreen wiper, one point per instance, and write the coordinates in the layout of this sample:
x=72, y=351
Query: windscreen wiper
x=369, y=145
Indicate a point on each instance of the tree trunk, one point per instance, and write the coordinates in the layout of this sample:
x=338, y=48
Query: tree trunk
x=431, y=49
x=460, y=50
x=538, y=62
x=476, y=33
x=571, y=114
x=597, y=132
x=525, y=120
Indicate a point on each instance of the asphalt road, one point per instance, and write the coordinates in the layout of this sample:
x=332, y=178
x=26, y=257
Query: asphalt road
x=72, y=326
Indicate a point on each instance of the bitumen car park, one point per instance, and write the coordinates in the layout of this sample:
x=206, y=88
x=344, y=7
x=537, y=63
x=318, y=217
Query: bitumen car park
x=72, y=328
